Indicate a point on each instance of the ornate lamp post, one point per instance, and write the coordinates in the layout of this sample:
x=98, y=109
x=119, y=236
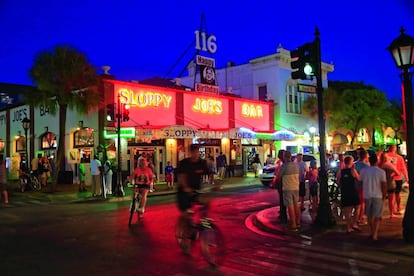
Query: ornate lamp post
x=26, y=126
x=402, y=51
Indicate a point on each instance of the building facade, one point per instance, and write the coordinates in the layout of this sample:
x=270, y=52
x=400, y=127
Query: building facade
x=163, y=123
x=269, y=78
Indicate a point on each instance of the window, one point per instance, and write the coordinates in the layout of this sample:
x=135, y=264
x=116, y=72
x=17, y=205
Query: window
x=293, y=100
x=262, y=92
x=84, y=137
x=48, y=141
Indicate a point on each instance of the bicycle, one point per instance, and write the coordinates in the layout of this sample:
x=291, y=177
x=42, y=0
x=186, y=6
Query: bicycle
x=135, y=203
x=334, y=193
x=189, y=229
x=29, y=181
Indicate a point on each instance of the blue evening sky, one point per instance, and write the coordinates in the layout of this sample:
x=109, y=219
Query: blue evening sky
x=141, y=39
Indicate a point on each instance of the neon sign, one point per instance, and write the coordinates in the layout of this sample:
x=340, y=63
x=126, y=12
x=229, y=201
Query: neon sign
x=252, y=111
x=209, y=106
x=144, y=98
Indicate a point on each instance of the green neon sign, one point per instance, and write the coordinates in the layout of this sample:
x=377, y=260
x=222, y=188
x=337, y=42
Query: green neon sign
x=125, y=132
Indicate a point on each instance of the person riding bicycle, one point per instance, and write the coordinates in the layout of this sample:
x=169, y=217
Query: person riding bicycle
x=142, y=176
x=190, y=172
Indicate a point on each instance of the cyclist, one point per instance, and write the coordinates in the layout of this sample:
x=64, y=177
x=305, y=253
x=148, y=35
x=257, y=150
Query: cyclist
x=190, y=172
x=142, y=176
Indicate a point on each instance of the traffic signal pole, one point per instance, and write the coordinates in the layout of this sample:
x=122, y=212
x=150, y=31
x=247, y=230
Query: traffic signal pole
x=120, y=189
x=324, y=216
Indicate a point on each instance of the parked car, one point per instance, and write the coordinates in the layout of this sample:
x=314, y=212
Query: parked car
x=269, y=170
x=267, y=175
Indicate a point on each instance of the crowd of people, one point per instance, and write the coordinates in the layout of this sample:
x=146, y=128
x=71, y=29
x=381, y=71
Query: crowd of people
x=365, y=185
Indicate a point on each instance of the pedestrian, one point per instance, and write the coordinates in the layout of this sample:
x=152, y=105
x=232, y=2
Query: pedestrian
x=302, y=178
x=45, y=172
x=399, y=163
x=276, y=184
x=361, y=163
x=3, y=180
x=221, y=163
x=23, y=170
x=82, y=175
x=289, y=176
x=107, y=168
x=154, y=175
x=95, y=168
x=256, y=164
x=374, y=182
x=390, y=172
x=211, y=169
x=269, y=160
x=313, y=180
x=142, y=176
x=169, y=175
x=35, y=165
x=349, y=194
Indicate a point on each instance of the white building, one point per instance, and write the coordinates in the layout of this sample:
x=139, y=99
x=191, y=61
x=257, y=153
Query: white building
x=269, y=78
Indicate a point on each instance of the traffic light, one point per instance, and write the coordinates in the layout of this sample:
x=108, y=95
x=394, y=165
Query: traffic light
x=110, y=112
x=303, y=61
x=125, y=112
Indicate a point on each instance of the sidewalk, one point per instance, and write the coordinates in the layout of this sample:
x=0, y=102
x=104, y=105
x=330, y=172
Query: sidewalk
x=68, y=193
x=390, y=235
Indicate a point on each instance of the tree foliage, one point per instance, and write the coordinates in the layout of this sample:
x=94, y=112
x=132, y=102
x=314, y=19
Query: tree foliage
x=65, y=79
x=351, y=105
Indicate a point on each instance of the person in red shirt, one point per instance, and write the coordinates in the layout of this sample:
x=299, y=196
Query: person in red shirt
x=143, y=176
x=399, y=163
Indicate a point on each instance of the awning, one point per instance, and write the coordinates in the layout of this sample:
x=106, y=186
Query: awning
x=339, y=139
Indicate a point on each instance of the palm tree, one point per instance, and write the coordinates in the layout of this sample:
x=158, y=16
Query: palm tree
x=65, y=79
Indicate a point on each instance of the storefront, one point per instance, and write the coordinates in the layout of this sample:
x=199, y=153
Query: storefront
x=168, y=121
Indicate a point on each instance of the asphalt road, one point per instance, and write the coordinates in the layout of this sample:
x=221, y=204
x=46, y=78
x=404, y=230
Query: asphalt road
x=94, y=238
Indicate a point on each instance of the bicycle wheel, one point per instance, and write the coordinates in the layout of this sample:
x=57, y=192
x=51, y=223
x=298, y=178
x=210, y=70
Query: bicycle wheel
x=182, y=233
x=35, y=183
x=212, y=244
x=132, y=210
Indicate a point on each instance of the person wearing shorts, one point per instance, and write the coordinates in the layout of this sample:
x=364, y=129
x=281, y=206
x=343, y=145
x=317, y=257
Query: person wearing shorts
x=302, y=177
x=289, y=177
x=399, y=163
x=143, y=176
x=374, y=187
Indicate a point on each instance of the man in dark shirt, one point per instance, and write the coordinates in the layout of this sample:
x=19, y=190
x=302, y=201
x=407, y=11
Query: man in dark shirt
x=190, y=171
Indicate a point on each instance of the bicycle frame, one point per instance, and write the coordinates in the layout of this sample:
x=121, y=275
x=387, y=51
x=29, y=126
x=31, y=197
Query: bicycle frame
x=196, y=225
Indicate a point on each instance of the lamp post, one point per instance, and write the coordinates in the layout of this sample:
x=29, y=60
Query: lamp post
x=402, y=51
x=312, y=130
x=26, y=126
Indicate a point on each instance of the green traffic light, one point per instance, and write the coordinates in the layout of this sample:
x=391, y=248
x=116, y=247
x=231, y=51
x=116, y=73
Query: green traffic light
x=308, y=69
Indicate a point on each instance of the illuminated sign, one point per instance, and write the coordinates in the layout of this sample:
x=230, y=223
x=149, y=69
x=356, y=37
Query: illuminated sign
x=144, y=98
x=209, y=106
x=252, y=111
x=126, y=132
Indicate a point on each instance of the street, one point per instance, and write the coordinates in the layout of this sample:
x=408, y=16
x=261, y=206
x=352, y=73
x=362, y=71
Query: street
x=93, y=238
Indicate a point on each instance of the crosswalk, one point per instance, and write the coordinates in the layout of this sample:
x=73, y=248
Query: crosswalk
x=297, y=258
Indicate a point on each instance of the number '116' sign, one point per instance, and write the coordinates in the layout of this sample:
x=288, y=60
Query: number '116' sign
x=205, y=42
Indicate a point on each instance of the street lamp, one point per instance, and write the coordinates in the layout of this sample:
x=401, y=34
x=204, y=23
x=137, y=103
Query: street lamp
x=312, y=130
x=402, y=51
x=26, y=126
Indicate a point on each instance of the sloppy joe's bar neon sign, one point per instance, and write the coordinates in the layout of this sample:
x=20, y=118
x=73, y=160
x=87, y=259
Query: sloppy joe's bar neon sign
x=144, y=98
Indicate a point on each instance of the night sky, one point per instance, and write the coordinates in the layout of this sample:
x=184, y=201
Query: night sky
x=142, y=39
